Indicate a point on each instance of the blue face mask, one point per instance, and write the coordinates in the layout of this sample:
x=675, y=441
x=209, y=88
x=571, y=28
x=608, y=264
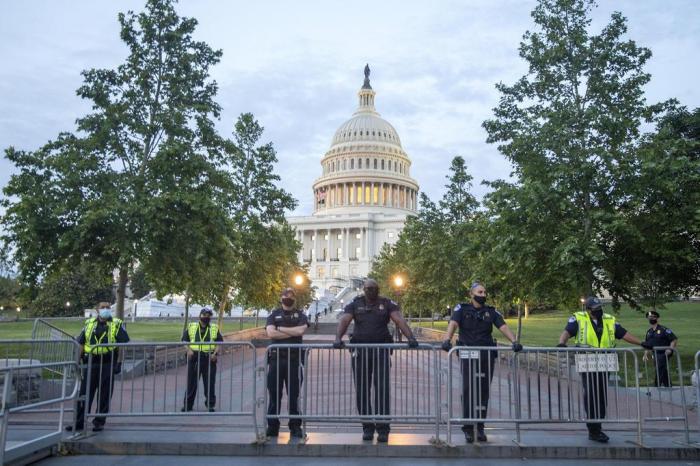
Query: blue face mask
x=105, y=314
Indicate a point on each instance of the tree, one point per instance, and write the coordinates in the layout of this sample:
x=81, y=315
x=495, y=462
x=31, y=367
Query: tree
x=658, y=250
x=10, y=292
x=68, y=292
x=141, y=165
x=138, y=283
x=435, y=251
x=264, y=245
x=571, y=129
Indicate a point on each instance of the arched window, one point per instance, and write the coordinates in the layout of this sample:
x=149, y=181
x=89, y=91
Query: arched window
x=344, y=167
x=375, y=164
x=359, y=163
x=367, y=163
x=382, y=164
x=352, y=164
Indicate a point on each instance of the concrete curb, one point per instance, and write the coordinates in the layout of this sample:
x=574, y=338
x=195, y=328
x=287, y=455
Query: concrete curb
x=680, y=453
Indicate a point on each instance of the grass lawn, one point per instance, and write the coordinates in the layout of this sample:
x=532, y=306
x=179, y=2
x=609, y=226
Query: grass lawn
x=151, y=330
x=543, y=329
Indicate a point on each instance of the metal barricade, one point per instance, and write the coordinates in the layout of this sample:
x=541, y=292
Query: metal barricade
x=168, y=379
x=663, y=390
x=12, y=377
x=542, y=385
x=363, y=383
x=33, y=385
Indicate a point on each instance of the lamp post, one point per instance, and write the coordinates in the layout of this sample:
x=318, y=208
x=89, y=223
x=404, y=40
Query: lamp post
x=19, y=309
x=583, y=304
x=398, y=282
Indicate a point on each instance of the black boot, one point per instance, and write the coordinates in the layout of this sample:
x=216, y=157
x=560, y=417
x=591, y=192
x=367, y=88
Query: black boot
x=480, y=434
x=468, y=433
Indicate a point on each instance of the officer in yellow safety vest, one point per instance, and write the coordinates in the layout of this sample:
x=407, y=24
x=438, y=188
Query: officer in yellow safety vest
x=595, y=329
x=103, y=363
x=201, y=359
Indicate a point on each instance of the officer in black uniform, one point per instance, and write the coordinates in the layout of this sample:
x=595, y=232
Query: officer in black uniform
x=657, y=336
x=104, y=364
x=285, y=325
x=202, y=359
x=475, y=321
x=370, y=366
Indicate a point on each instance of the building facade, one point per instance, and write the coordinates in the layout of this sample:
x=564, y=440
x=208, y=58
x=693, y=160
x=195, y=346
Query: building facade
x=361, y=199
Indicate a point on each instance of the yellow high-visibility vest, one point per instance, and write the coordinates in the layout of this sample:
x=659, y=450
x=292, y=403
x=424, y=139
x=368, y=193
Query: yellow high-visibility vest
x=212, y=332
x=111, y=333
x=586, y=332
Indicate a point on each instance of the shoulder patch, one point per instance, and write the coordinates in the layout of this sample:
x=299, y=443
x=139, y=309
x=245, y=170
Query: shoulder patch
x=458, y=307
x=572, y=319
x=393, y=302
x=668, y=330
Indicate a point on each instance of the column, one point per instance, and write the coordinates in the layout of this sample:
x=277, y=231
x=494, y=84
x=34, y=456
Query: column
x=314, y=254
x=371, y=193
x=362, y=242
x=364, y=201
x=328, y=247
x=300, y=238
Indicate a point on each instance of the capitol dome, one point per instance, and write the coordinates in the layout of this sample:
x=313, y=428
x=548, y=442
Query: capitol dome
x=365, y=167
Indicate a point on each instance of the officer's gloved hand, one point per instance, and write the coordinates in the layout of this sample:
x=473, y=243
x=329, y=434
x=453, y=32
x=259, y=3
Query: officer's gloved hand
x=118, y=368
x=412, y=343
x=646, y=345
x=338, y=344
x=517, y=347
x=561, y=345
x=446, y=346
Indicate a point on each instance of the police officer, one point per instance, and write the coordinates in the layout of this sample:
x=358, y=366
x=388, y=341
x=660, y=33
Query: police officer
x=370, y=366
x=285, y=325
x=104, y=364
x=475, y=321
x=201, y=359
x=657, y=336
x=595, y=329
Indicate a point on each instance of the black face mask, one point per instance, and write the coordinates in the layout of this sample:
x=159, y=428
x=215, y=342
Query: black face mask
x=480, y=299
x=597, y=314
x=372, y=293
x=653, y=321
x=205, y=320
x=289, y=302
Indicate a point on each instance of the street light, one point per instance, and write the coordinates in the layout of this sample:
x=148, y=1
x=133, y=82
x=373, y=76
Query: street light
x=19, y=309
x=298, y=279
x=399, y=282
x=583, y=306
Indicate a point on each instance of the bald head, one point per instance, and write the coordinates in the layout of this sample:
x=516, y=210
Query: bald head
x=369, y=283
x=371, y=288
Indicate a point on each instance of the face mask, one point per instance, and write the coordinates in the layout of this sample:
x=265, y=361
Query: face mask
x=480, y=299
x=653, y=321
x=105, y=314
x=597, y=314
x=289, y=302
x=205, y=320
x=372, y=293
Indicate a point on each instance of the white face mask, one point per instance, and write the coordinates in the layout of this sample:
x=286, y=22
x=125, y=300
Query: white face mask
x=105, y=314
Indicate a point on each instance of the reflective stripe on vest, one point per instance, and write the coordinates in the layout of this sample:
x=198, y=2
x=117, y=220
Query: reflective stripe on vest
x=112, y=330
x=193, y=329
x=586, y=332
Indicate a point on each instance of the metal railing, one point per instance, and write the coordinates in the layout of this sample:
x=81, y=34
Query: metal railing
x=542, y=385
x=363, y=383
x=663, y=390
x=11, y=376
x=151, y=380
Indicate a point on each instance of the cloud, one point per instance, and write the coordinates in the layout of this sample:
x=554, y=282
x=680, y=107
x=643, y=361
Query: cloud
x=298, y=65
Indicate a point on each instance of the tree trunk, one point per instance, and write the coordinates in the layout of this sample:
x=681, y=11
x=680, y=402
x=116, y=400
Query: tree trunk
x=121, y=291
x=527, y=310
x=187, y=311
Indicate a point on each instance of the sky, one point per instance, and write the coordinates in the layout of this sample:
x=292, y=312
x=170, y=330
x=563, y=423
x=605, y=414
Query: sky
x=297, y=66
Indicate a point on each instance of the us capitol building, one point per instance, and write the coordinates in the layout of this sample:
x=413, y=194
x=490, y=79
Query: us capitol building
x=361, y=200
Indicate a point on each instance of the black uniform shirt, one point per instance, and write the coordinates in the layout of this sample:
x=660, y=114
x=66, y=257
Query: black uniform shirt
x=281, y=318
x=572, y=328
x=476, y=325
x=371, y=320
x=662, y=336
x=99, y=332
